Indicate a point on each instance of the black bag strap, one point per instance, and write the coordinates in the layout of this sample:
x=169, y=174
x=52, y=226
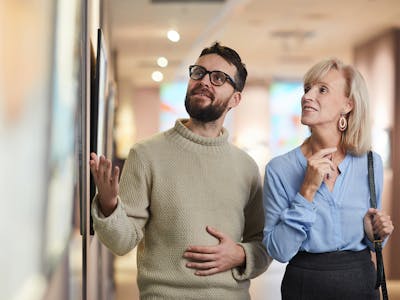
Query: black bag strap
x=380, y=270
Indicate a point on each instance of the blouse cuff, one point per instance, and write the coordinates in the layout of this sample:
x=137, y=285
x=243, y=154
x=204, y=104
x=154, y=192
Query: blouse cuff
x=300, y=201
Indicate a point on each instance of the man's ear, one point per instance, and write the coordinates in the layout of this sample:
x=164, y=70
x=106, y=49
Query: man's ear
x=235, y=99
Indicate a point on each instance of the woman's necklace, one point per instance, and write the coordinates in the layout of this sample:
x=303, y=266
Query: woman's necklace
x=335, y=171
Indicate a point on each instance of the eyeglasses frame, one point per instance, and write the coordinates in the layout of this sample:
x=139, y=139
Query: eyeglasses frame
x=227, y=77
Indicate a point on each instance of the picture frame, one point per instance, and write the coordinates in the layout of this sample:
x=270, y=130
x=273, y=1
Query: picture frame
x=98, y=107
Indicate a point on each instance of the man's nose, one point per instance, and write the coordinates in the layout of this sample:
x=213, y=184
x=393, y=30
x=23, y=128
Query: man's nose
x=206, y=80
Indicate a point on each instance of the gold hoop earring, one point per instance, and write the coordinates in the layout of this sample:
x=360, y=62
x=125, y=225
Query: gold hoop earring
x=342, y=124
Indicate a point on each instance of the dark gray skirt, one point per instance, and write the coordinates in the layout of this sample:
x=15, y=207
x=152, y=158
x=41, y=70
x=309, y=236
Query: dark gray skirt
x=342, y=275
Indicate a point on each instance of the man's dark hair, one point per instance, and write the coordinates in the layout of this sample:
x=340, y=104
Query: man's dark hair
x=232, y=57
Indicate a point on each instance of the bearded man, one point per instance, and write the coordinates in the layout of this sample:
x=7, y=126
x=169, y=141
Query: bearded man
x=188, y=199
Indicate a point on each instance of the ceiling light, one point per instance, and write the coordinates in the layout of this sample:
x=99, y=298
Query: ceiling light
x=157, y=76
x=173, y=36
x=162, y=62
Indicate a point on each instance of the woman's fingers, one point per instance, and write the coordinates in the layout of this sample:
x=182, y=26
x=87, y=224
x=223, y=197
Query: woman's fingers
x=324, y=161
x=382, y=224
x=379, y=223
x=321, y=166
x=324, y=152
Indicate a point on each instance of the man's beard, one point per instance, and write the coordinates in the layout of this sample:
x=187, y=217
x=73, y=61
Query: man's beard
x=205, y=114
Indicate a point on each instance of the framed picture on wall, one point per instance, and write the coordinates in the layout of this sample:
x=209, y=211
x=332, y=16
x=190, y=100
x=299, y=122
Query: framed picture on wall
x=98, y=107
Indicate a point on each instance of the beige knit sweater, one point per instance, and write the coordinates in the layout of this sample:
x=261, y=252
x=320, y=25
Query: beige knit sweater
x=172, y=186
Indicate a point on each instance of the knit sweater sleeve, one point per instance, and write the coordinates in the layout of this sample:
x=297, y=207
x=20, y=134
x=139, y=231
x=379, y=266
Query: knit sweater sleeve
x=257, y=258
x=123, y=229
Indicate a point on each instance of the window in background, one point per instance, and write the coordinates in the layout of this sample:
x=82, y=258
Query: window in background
x=381, y=143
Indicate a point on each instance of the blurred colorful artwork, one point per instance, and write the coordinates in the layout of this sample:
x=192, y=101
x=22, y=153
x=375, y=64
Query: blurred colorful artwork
x=287, y=132
x=172, y=97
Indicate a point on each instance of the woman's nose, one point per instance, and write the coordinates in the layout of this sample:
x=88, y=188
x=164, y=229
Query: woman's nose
x=309, y=94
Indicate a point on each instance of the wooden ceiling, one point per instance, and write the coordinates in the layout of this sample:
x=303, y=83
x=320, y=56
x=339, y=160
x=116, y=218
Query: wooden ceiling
x=276, y=39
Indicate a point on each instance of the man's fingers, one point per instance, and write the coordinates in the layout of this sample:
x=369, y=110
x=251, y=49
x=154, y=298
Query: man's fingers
x=201, y=266
x=204, y=268
x=103, y=169
x=103, y=172
x=199, y=256
x=108, y=171
x=207, y=272
x=94, y=172
x=93, y=157
x=94, y=168
x=201, y=249
x=93, y=162
x=214, y=232
x=115, y=177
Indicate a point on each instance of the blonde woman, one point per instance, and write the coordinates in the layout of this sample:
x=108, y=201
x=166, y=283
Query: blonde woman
x=316, y=197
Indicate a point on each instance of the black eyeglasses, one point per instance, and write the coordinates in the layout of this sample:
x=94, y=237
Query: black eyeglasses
x=217, y=78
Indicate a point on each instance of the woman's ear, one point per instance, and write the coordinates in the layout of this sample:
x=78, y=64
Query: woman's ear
x=348, y=107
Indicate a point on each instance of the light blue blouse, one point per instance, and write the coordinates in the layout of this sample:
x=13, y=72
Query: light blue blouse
x=332, y=222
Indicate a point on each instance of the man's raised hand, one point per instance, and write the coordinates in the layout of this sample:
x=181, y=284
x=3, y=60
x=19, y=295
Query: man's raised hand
x=106, y=180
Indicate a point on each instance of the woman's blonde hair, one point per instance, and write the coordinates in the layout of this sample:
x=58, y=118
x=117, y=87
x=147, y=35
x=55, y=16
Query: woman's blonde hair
x=356, y=139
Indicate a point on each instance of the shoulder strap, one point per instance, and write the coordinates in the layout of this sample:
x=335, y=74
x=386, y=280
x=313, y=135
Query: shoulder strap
x=371, y=179
x=380, y=271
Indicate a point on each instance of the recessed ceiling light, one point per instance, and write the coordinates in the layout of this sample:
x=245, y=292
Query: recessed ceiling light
x=173, y=35
x=157, y=76
x=162, y=62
